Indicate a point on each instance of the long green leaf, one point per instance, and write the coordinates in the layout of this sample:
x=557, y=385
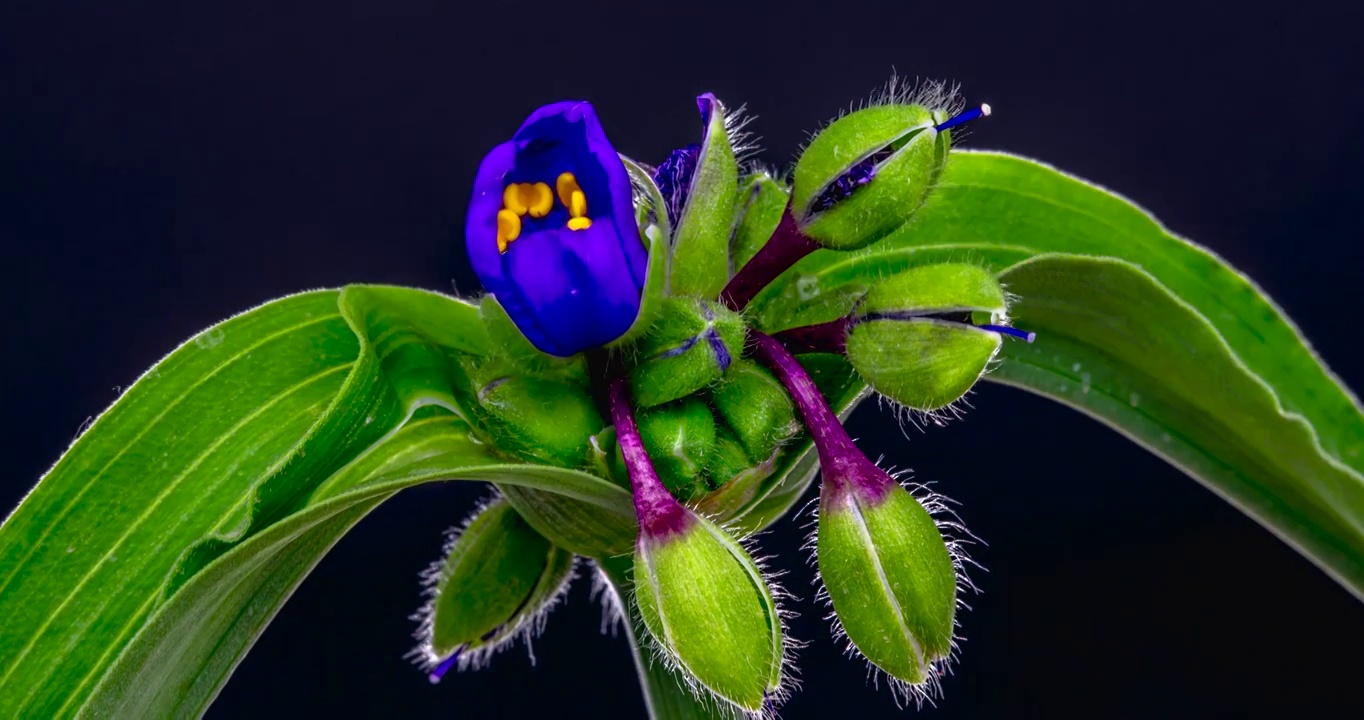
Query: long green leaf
x=239, y=433
x=1270, y=428
x=1119, y=346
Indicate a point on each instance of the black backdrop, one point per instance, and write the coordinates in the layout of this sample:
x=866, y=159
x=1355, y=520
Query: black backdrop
x=163, y=165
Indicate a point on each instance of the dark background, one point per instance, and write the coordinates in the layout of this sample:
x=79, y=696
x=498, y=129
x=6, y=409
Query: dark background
x=164, y=165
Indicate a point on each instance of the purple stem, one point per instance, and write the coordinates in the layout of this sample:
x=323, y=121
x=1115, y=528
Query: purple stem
x=659, y=513
x=786, y=246
x=829, y=337
x=843, y=467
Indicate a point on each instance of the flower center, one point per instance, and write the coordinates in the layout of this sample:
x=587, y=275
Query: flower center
x=536, y=200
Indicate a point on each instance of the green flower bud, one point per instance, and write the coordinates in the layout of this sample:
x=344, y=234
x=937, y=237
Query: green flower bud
x=868, y=172
x=536, y=419
x=734, y=478
x=498, y=579
x=710, y=611
x=757, y=407
x=679, y=438
x=761, y=202
x=691, y=345
x=699, y=183
x=913, y=338
x=889, y=574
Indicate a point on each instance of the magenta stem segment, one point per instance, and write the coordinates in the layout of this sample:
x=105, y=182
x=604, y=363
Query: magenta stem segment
x=829, y=337
x=786, y=246
x=843, y=467
x=659, y=513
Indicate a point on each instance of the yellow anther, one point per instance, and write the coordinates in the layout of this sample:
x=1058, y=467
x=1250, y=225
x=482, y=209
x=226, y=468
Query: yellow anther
x=511, y=199
x=540, y=201
x=577, y=206
x=508, y=228
x=566, y=185
x=579, y=223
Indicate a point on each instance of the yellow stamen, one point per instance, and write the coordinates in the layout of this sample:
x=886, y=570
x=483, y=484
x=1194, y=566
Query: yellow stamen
x=508, y=228
x=542, y=200
x=579, y=223
x=511, y=199
x=577, y=207
x=566, y=186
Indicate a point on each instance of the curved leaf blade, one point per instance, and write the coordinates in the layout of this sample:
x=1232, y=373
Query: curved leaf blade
x=254, y=422
x=1118, y=346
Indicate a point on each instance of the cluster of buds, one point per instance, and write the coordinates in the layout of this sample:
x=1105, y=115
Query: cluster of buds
x=616, y=298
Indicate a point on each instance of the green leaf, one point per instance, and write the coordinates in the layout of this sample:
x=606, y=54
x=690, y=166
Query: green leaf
x=1115, y=344
x=172, y=530
x=1001, y=210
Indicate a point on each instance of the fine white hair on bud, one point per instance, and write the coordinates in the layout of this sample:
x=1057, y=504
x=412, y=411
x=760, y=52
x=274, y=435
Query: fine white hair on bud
x=957, y=538
x=496, y=582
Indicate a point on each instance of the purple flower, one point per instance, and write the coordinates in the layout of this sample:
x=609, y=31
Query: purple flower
x=551, y=232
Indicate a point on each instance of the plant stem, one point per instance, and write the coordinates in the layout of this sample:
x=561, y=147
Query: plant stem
x=842, y=464
x=786, y=246
x=660, y=515
x=829, y=337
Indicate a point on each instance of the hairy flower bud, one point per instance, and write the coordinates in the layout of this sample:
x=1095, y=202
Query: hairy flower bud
x=692, y=344
x=868, y=172
x=699, y=594
x=498, y=579
x=709, y=609
x=537, y=419
x=756, y=407
x=699, y=182
x=913, y=337
x=888, y=572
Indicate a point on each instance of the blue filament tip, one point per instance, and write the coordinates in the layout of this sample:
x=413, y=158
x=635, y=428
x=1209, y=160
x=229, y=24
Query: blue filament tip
x=1023, y=335
x=439, y=671
x=964, y=117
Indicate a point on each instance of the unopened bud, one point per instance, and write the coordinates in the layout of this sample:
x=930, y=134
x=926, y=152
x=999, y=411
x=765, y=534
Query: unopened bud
x=692, y=344
x=537, y=419
x=498, y=579
x=756, y=406
x=888, y=572
x=914, y=337
x=761, y=202
x=710, y=611
x=867, y=173
x=679, y=438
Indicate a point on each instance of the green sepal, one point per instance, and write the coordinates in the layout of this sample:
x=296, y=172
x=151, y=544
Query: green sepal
x=654, y=228
x=913, y=339
x=497, y=578
x=900, y=185
x=761, y=201
x=700, y=248
x=711, y=614
x=756, y=406
x=509, y=343
x=535, y=419
x=890, y=577
x=677, y=357
x=680, y=438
